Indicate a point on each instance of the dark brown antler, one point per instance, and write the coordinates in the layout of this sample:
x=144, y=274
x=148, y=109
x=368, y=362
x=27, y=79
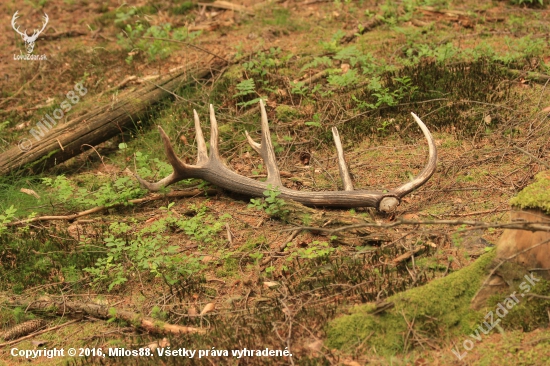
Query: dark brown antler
x=211, y=169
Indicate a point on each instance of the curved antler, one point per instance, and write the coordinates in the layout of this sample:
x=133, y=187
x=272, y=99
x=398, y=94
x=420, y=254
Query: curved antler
x=210, y=168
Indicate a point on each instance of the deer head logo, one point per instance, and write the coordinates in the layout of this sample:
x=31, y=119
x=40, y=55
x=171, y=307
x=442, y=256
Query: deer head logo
x=29, y=40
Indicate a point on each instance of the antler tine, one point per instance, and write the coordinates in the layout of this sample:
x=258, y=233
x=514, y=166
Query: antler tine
x=430, y=167
x=257, y=147
x=265, y=149
x=202, y=153
x=214, y=152
x=344, y=173
x=267, y=153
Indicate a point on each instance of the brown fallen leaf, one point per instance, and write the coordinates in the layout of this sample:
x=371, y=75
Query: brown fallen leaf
x=38, y=343
x=547, y=109
x=162, y=344
x=207, y=258
x=345, y=68
x=270, y=284
x=208, y=308
x=30, y=192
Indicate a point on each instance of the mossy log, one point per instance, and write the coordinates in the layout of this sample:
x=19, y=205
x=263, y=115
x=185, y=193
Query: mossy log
x=459, y=304
x=438, y=311
x=102, y=123
x=521, y=251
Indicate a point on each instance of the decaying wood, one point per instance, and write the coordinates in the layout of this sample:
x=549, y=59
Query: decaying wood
x=23, y=329
x=75, y=308
x=101, y=123
x=20, y=339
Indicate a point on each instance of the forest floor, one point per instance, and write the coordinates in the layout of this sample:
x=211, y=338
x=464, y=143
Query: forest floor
x=475, y=72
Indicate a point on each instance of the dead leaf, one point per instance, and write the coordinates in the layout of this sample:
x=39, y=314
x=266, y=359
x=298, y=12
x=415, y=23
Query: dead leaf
x=410, y=216
x=164, y=342
x=270, y=284
x=421, y=362
x=351, y=363
x=487, y=119
x=345, y=68
x=38, y=343
x=547, y=109
x=207, y=258
x=208, y=308
x=184, y=140
x=108, y=169
x=152, y=346
x=30, y=192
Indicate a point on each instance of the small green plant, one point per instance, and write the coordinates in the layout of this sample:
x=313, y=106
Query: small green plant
x=148, y=250
x=271, y=203
x=144, y=169
x=111, y=193
x=6, y=218
x=316, y=249
x=316, y=121
x=154, y=40
x=245, y=88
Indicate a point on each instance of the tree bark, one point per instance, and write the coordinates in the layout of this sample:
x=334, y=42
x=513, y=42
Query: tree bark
x=72, y=138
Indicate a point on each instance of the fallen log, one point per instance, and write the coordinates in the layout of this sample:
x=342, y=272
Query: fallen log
x=76, y=308
x=82, y=133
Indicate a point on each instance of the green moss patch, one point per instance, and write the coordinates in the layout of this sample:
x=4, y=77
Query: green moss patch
x=437, y=311
x=536, y=195
x=286, y=113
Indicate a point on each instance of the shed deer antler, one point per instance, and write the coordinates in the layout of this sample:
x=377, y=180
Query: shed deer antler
x=211, y=169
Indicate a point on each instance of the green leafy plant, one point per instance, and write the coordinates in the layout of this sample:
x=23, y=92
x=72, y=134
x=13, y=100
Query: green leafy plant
x=316, y=249
x=7, y=217
x=316, y=121
x=111, y=193
x=153, y=40
x=149, y=250
x=271, y=203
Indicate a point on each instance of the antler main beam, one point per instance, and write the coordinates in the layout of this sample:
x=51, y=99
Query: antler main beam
x=210, y=168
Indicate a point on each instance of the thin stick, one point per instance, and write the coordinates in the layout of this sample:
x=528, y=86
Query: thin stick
x=540, y=161
x=175, y=194
x=529, y=226
x=282, y=247
x=38, y=333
